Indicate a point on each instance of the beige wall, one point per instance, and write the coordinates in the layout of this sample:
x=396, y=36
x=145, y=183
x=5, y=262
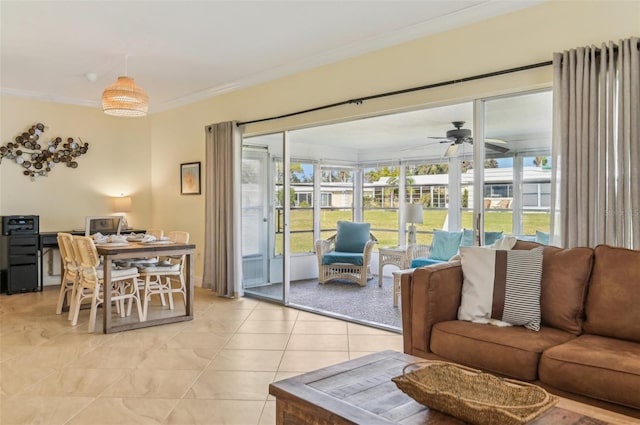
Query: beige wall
x=118, y=161
x=177, y=136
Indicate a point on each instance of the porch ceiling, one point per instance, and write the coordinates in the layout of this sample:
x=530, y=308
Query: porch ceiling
x=523, y=122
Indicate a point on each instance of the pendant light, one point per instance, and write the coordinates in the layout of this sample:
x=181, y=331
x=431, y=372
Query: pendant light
x=124, y=98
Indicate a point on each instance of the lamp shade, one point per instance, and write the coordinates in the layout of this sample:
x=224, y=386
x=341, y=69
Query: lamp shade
x=121, y=204
x=413, y=213
x=125, y=99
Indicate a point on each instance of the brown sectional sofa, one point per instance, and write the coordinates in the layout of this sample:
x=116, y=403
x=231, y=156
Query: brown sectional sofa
x=588, y=347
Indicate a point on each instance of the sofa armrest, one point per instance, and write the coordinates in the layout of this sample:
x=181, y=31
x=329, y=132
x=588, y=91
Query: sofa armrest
x=429, y=295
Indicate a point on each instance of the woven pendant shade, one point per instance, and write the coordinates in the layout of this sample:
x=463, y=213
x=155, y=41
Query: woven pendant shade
x=125, y=99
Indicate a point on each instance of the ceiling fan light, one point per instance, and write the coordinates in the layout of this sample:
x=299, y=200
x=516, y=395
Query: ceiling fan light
x=451, y=150
x=125, y=99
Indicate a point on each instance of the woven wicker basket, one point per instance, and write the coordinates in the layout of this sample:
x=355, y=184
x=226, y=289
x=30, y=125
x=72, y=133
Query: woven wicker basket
x=473, y=396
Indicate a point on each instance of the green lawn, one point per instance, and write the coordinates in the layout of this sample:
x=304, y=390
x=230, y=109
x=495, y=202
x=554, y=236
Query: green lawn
x=302, y=220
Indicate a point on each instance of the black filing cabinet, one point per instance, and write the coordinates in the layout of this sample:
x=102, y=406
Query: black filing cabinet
x=20, y=254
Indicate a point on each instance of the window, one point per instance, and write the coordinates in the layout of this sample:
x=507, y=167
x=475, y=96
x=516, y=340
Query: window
x=301, y=214
x=336, y=185
x=304, y=199
x=428, y=184
x=380, y=201
x=325, y=200
x=498, y=191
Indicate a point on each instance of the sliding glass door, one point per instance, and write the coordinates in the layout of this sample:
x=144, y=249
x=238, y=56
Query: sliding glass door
x=264, y=217
x=515, y=185
x=481, y=165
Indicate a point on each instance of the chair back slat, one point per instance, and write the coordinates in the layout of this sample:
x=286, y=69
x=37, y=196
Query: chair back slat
x=179, y=236
x=67, y=253
x=157, y=233
x=88, y=258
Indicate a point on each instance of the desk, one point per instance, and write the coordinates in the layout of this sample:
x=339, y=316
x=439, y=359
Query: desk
x=137, y=250
x=49, y=239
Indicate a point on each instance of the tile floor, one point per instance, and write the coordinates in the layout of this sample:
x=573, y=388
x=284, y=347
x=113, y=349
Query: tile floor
x=213, y=370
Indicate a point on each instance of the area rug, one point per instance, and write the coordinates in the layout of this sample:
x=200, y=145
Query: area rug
x=369, y=304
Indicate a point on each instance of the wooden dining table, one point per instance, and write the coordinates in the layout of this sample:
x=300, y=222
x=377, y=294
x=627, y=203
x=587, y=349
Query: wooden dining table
x=112, y=252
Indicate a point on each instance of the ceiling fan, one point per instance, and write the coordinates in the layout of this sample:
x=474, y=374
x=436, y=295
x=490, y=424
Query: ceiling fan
x=459, y=135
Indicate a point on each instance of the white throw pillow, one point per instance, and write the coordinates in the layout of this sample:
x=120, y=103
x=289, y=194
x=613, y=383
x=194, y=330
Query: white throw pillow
x=501, y=287
x=505, y=242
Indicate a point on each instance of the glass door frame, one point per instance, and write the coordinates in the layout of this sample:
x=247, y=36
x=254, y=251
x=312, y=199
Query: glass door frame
x=479, y=126
x=270, y=185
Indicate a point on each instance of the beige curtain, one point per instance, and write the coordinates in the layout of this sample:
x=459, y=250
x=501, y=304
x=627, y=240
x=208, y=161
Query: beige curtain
x=596, y=145
x=221, y=218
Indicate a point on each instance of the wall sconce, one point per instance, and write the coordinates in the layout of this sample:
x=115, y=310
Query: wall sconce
x=413, y=215
x=122, y=204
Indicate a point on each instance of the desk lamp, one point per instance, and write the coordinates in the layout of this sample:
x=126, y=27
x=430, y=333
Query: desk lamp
x=122, y=204
x=413, y=215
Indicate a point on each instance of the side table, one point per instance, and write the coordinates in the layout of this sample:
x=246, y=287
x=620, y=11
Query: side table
x=397, y=275
x=397, y=256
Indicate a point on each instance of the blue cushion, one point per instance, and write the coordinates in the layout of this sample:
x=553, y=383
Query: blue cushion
x=343, y=257
x=352, y=237
x=423, y=261
x=489, y=237
x=492, y=237
x=527, y=238
x=444, y=245
x=542, y=237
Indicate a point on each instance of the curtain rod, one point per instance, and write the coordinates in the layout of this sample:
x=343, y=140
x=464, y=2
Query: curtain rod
x=360, y=100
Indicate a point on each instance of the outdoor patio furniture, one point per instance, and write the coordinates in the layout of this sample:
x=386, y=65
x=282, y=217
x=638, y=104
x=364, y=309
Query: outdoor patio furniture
x=347, y=254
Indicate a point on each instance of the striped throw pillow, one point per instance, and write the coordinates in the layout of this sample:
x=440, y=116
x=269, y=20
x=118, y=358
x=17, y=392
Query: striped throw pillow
x=501, y=287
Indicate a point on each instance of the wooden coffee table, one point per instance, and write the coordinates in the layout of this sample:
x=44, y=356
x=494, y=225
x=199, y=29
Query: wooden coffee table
x=360, y=391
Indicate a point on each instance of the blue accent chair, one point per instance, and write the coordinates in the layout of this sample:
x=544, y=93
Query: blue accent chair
x=444, y=246
x=347, y=254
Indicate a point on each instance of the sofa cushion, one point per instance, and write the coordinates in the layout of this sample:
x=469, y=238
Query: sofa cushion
x=352, y=237
x=444, y=245
x=565, y=274
x=521, y=244
x=613, y=301
x=502, y=286
x=512, y=351
x=595, y=366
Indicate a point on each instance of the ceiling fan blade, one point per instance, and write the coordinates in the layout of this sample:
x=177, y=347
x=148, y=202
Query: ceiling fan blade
x=451, y=150
x=488, y=140
x=496, y=148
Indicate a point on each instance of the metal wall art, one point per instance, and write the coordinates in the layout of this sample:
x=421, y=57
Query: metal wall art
x=38, y=158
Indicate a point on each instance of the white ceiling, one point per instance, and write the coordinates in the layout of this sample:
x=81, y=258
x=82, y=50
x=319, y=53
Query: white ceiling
x=182, y=51
x=522, y=121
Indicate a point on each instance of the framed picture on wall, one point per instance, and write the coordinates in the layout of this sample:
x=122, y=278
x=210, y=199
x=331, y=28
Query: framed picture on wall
x=190, y=178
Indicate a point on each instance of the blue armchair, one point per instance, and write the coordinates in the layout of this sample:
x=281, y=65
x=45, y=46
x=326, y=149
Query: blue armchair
x=347, y=254
x=445, y=245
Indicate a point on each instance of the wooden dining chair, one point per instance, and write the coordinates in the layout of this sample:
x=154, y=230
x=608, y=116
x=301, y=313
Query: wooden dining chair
x=123, y=283
x=69, y=272
x=159, y=278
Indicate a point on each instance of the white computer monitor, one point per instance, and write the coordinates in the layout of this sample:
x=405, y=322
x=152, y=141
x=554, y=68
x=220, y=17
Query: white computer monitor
x=107, y=225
